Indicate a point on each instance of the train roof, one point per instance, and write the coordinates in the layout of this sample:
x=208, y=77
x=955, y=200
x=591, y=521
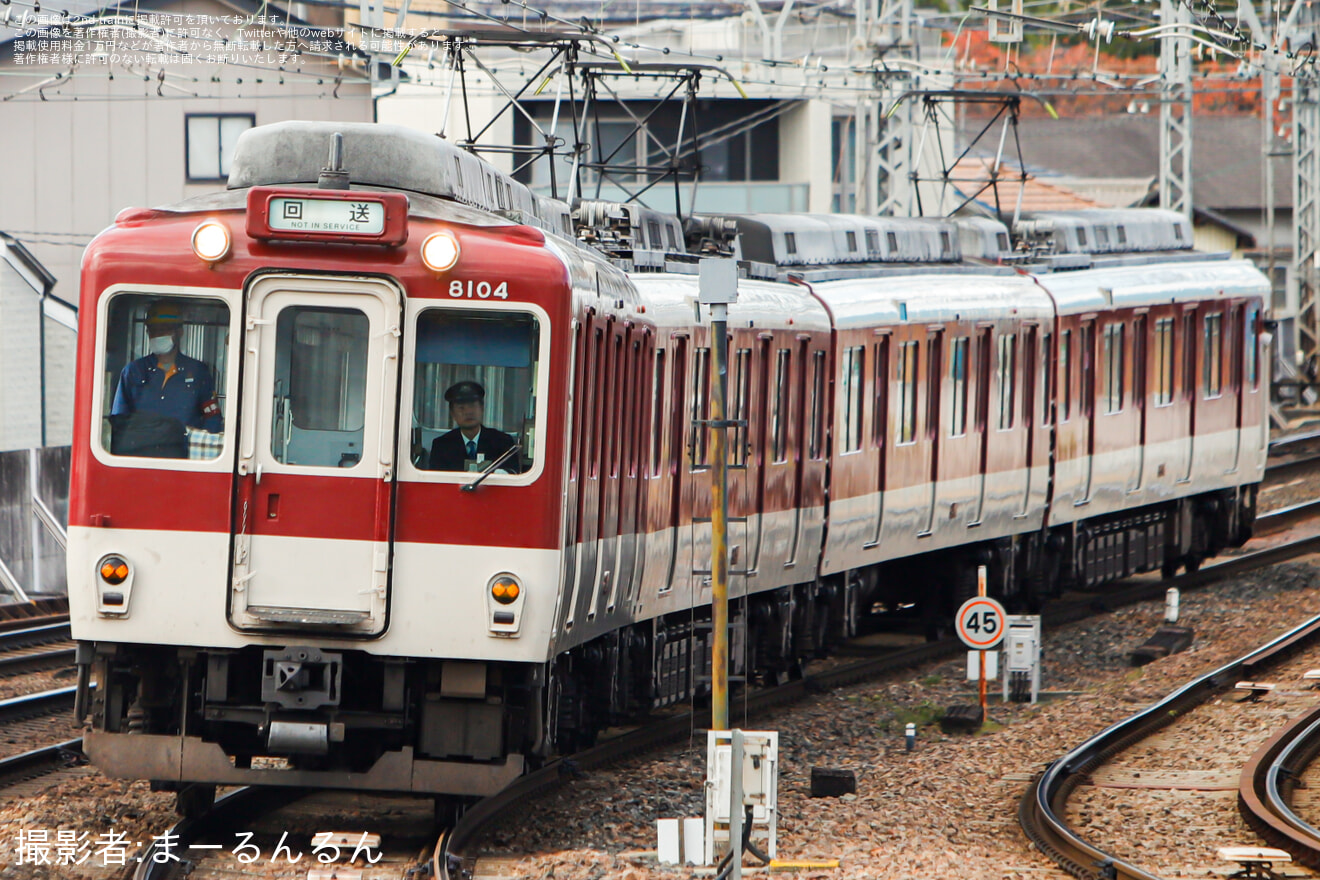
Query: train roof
x=671, y=302
x=1134, y=286
x=932, y=298
x=394, y=157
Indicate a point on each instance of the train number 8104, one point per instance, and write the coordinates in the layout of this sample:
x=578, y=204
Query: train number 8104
x=478, y=290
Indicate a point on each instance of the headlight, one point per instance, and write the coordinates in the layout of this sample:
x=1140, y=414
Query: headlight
x=440, y=251
x=210, y=241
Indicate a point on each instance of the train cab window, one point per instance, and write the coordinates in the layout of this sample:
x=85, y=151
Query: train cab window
x=853, y=397
x=958, y=383
x=907, y=392
x=1163, y=361
x=320, y=386
x=779, y=414
x=1007, y=374
x=165, y=365
x=474, y=390
x=1212, y=379
x=1111, y=380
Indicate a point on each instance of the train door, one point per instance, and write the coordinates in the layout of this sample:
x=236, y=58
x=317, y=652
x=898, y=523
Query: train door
x=311, y=540
x=984, y=365
x=1029, y=367
x=880, y=430
x=1235, y=385
x=742, y=472
x=1189, y=372
x=587, y=382
x=760, y=448
x=1086, y=350
x=611, y=426
x=623, y=586
x=1139, y=390
x=675, y=460
x=934, y=381
x=799, y=446
x=699, y=470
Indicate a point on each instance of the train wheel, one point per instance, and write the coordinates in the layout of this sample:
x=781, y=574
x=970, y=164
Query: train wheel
x=1169, y=569
x=1193, y=563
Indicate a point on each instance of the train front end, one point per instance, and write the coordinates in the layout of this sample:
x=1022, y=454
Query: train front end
x=314, y=524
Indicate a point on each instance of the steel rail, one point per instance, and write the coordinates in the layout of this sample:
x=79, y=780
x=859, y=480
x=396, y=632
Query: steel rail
x=36, y=620
x=1266, y=786
x=40, y=762
x=453, y=858
x=1041, y=812
x=36, y=705
x=166, y=858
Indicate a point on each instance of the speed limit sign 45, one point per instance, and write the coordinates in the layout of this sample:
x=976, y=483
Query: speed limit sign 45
x=981, y=623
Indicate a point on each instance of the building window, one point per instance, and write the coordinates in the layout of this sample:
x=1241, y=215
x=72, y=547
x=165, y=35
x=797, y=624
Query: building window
x=1212, y=359
x=958, y=375
x=1112, y=381
x=907, y=392
x=210, y=140
x=1164, y=361
x=853, y=397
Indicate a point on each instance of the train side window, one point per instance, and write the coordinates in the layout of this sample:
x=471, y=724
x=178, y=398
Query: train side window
x=1163, y=361
x=1111, y=381
x=880, y=414
x=742, y=399
x=1007, y=373
x=657, y=410
x=1252, y=331
x=166, y=363
x=816, y=446
x=1066, y=383
x=907, y=392
x=958, y=380
x=498, y=352
x=853, y=396
x=700, y=406
x=1047, y=378
x=1212, y=379
x=779, y=415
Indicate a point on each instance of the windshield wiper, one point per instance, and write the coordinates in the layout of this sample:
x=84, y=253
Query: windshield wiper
x=490, y=468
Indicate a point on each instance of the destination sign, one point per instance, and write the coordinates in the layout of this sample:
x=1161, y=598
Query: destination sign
x=341, y=216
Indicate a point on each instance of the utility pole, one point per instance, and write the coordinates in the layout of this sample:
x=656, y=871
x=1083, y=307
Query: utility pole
x=886, y=134
x=1306, y=206
x=717, y=288
x=1176, y=109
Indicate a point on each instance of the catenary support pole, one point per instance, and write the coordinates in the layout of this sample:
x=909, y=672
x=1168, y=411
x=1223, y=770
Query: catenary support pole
x=719, y=287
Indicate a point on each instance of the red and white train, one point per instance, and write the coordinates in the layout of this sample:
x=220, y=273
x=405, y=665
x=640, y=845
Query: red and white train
x=298, y=584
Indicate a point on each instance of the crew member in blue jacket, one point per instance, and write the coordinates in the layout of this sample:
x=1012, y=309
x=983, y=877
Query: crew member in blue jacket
x=167, y=382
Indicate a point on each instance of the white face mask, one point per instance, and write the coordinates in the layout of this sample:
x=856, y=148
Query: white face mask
x=161, y=344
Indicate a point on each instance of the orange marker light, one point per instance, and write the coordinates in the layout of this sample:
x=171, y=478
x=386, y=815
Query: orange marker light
x=504, y=589
x=113, y=570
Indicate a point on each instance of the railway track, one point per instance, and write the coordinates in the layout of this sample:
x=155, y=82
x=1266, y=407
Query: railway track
x=455, y=858
x=1268, y=781
x=1043, y=807
x=454, y=854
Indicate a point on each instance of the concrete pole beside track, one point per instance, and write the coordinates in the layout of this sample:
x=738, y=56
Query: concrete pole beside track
x=718, y=288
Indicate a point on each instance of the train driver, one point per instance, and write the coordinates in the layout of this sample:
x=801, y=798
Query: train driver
x=471, y=446
x=166, y=382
